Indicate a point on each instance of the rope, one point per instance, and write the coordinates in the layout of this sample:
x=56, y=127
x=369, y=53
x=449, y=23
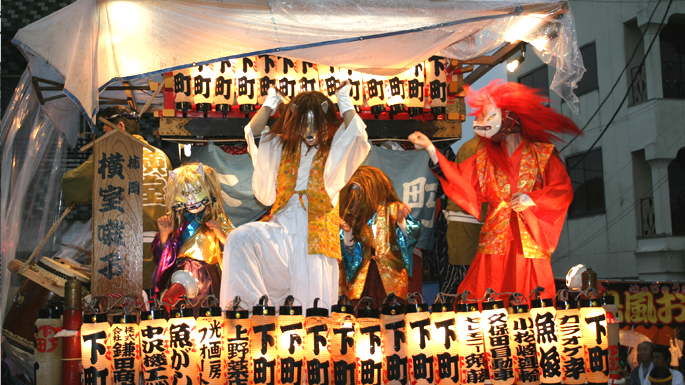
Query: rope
x=49, y=234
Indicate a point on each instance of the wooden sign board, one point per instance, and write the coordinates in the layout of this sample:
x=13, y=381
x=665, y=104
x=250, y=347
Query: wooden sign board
x=117, y=215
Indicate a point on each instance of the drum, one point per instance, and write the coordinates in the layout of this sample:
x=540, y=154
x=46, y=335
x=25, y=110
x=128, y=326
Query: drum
x=22, y=316
x=59, y=271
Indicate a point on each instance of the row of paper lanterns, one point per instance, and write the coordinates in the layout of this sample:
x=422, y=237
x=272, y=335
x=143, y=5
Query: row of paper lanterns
x=246, y=81
x=396, y=345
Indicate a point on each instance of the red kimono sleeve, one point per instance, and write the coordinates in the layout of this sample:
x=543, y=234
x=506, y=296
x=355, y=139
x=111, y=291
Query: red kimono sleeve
x=461, y=183
x=546, y=219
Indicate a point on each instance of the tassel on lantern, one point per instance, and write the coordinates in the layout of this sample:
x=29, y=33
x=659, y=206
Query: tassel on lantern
x=316, y=345
x=394, y=340
x=263, y=344
x=342, y=340
x=419, y=342
x=290, y=336
x=237, y=335
x=445, y=348
x=369, y=346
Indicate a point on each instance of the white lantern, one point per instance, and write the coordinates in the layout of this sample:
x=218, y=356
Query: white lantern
x=343, y=348
x=48, y=349
x=183, y=89
x=369, y=346
x=247, y=89
x=415, y=82
x=286, y=76
x=471, y=349
x=593, y=326
x=125, y=355
x=419, y=344
x=316, y=345
x=329, y=81
x=570, y=342
x=523, y=345
x=290, y=342
x=237, y=335
x=263, y=346
x=308, y=77
x=95, y=346
x=374, y=91
x=154, y=346
x=224, y=86
x=436, y=77
x=547, y=339
x=394, y=341
x=445, y=347
x=495, y=324
x=394, y=88
x=210, y=348
x=183, y=345
x=204, y=87
x=266, y=75
x=356, y=87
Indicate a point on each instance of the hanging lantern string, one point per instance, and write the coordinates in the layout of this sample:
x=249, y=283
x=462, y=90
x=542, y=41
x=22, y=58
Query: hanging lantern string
x=411, y=297
x=122, y=301
x=535, y=293
x=210, y=298
x=367, y=301
x=235, y=306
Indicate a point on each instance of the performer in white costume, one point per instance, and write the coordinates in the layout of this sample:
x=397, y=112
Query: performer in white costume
x=300, y=166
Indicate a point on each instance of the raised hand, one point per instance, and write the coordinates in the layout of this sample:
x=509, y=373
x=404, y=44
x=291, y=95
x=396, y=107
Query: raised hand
x=165, y=227
x=420, y=141
x=216, y=227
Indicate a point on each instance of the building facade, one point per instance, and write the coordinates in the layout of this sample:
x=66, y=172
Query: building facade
x=627, y=219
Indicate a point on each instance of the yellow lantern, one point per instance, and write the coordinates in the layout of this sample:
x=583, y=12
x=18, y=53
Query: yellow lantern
x=154, y=346
x=210, y=349
x=394, y=88
x=374, y=91
x=125, y=355
x=316, y=345
x=263, y=347
x=247, y=89
x=204, y=87
x=237, y=335
x=290, y=332
x=329, y=81
x=471, y=349
x=96, y=355
x=286, y=76
x=613, y=320
x=183, y=89
x=523, y=345
x=436, y=77
x=343, y=349
x=419, y=344
x=356, y=87
x=570, y=342
x=547, y=339
x=48, y=348
x=495, y=324
x=394, y=341
x=266, y=75
x=183, y=345
x=445, y=348
x=224, y=86
x=308, y=77
x=369, y=346
x=415, y=81
x=593, y=326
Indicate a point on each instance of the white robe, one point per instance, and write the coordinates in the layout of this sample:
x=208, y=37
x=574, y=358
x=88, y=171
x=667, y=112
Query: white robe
x=272, y=257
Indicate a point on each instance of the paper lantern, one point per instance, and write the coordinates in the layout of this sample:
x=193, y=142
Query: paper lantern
x=495, y=324
x=210, y=348
x=369, y=345
x=445, y=348
x=374, y=91
x=48, y=348
x=204, y=87
x=394, y=342
x=570, y=342
x=415, y=81
x=436, y=77
x=154, y=346
x=263, y=347
x=394, y=88
x=183, y=345
x=329, y=81
x=316, y=345
x=343, y=349
x=224, y=86
x=471, y=349
x=356, y=87
x=247, y=89
x=547, y=339
x=613, y=320
x=290, y=335
x=237, y=335
x=96, y=351
x=125, y=354
x=266, y=75
x=593, y=326
x=183, y=89
x=307, y=77
x=286, y=76
x=523, y=345
x=419, y=344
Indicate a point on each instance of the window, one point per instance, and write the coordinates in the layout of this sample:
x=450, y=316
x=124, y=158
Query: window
x=587, y=177
x=589, y=81
x=673, y=60
x=676, y=187
x=537, y=78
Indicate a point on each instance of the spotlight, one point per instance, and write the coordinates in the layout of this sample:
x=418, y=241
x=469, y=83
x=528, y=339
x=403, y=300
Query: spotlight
x=514, y=64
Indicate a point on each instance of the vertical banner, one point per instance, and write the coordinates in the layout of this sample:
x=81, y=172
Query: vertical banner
x=316, y=345
x=495, y=324
x=523, y=345
x=445, y=348
x=329, y=81
x=237, y=334
x=419, y=344
x=547, y=339
x=471, y=349
x=570, y=342
x=308, y=77
x=154, y=346
x=96, y=350
x=394, y=343
x=290, y=336
x=210, y=349
x=117, y=214
x=125, y=353
x=343, y=348
x=224, y=86
x=183, y=346
x=593, y=326
x=286, y=76
x=266, y=75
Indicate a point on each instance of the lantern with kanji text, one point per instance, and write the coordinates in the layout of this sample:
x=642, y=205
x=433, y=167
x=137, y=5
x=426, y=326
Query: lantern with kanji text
x=154, y=346
x=613, y=319
x=247, y=89
x=266, y=75
x=263, y=346
x=204, y=87
x=224, y=86
x=570, y=341
x=369, y=345
x=394, y=341
x=356, y=87
x=394, y=88
x=125, y=349
x=237, y=343
x=547, y=339
x=593, y=326
x=496, y=338
x=374, y=91
x=329, y=81
x=316, y=345
x=183, y=345
x=308, y=77
x=342, y=342
x=286, y=76
x=96, y=350
x=523, y=345
x=415, y=81
x=445, y=348
x=210, y=348
x=420, y=362
x=183, y=89
x=290, y=336
x=47, y=352
x=436, y=78
x=470, y=341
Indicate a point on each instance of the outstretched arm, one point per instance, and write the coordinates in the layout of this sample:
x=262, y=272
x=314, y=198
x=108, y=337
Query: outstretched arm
x=421, y=142
x=259, y=120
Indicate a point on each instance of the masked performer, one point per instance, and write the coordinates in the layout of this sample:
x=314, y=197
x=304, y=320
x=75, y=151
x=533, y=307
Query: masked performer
x=523, y=180
x=377, y=237
x=301, y=165
x=191, y=234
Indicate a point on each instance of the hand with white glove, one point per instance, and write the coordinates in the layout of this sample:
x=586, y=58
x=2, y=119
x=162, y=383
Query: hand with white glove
x=421, y=142
x=344, y=99
x=273, y=99
x=521, y=201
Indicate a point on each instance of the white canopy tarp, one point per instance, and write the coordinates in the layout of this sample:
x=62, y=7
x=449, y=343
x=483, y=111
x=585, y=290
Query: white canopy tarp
x=93, y=43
